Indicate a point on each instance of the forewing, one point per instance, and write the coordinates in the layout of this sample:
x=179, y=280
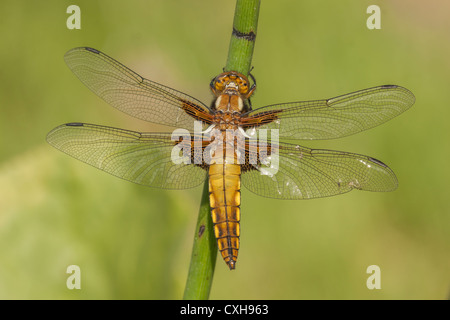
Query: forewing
x=303, y=173
x=127, y=91
x=335, y=117
x=143, y=158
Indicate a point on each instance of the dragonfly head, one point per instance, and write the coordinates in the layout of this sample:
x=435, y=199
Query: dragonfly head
x=232, y=83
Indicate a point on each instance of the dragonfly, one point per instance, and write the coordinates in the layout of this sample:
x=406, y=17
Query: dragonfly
x=200, y=153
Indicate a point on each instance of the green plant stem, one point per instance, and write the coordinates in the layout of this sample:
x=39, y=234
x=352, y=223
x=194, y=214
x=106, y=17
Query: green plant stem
x=204, y=251
x=204, y=254
x=242, y=43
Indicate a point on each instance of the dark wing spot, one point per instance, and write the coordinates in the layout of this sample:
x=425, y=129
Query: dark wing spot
x=389, y=86
x=92, y=50
x=378, y=162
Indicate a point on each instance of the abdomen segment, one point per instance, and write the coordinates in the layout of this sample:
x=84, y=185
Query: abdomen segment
x=225, y=201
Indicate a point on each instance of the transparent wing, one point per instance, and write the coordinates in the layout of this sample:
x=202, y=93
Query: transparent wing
x=303, y=173
x=127, y=91
x=335, y=117
x=143, y=158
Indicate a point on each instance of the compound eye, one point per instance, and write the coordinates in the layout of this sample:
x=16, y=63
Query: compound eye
x=220, y=83
x=243, y=88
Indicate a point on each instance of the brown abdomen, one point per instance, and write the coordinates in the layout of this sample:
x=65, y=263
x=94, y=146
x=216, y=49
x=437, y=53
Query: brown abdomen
x=225, y=201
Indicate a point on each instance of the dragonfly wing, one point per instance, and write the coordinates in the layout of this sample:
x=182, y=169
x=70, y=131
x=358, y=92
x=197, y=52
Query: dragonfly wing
x=143, y=158
x=335, y=117
x=127, y=91
x=303, y=173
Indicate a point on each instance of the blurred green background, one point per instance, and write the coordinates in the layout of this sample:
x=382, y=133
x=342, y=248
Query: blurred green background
x=135, y=242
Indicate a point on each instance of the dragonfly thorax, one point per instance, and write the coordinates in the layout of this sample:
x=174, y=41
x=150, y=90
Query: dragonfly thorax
x=229, y=103
x=227, y=115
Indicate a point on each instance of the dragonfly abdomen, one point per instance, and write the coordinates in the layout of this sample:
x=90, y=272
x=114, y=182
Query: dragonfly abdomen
x=225, y=201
